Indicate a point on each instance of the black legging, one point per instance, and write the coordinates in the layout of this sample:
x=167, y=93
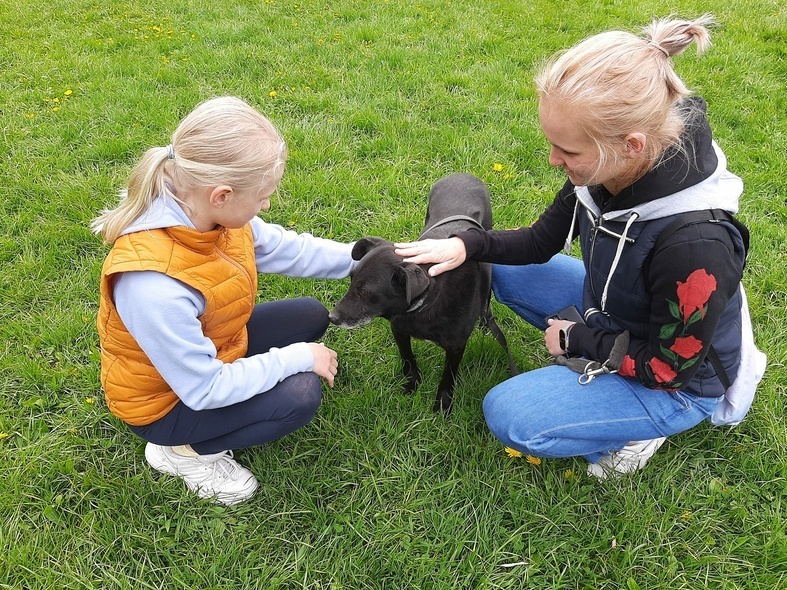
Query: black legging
x=267, y=416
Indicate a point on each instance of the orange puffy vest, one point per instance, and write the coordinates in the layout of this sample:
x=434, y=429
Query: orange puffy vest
x=219, y=263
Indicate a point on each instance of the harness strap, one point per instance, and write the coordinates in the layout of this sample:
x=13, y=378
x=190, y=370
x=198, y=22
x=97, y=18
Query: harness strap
x=715, y=362
x=449, y=219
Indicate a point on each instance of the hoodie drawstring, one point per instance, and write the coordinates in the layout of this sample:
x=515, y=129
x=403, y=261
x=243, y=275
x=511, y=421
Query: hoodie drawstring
x=570, y=236
x=618, y=252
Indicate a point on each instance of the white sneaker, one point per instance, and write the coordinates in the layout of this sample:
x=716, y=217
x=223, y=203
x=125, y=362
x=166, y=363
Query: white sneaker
x=217, y=476
x=629, y=459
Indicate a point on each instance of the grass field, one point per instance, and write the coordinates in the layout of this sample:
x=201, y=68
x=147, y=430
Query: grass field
x=377, y=100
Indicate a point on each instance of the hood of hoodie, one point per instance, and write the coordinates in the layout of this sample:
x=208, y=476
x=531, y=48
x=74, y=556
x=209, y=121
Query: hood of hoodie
x=164, y=211
x=690, y=179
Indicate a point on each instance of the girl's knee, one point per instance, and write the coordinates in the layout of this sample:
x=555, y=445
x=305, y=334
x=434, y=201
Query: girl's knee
x=306, y=393
x=316, y=314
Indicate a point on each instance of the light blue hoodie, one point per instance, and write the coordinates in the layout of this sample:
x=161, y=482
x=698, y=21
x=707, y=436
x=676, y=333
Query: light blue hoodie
x=162, y=313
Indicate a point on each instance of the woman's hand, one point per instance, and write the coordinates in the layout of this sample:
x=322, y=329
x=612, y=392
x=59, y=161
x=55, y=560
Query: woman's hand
x=552, y=336
x=445, y=254
x=326, y=361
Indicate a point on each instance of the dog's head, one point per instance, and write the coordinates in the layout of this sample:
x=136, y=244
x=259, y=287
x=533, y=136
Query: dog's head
x=381, y=285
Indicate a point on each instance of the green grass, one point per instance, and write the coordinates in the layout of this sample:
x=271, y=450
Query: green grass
x=377, y=101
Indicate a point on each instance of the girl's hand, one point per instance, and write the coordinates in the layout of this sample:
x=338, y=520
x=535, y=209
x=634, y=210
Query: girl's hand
x=445, y=254
x=552, y=336
x=326, y=361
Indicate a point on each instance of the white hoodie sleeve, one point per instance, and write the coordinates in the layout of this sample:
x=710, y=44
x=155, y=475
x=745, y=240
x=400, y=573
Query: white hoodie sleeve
x=162, y=314
x=289, y=253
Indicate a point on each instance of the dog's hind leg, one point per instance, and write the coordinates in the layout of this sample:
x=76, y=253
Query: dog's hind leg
x=410, y=369
x=445, y=391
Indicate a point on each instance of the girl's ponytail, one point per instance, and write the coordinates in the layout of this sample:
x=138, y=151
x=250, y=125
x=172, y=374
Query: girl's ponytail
x=146, y=181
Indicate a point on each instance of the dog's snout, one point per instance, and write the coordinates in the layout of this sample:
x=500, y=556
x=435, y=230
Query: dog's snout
x=333, y=317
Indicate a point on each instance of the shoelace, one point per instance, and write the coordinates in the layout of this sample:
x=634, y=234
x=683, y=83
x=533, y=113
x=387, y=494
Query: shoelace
x=222, y=463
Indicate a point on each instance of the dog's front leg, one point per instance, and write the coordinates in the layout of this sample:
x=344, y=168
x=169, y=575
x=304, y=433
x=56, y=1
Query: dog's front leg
x=410, y=369
x=445, y=392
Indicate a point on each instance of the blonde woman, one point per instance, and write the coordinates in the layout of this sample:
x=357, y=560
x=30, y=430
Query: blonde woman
x=660, y=309
x=188, y=360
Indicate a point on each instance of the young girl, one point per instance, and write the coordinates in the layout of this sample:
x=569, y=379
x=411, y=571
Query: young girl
x=188, y=360
x=638, y=154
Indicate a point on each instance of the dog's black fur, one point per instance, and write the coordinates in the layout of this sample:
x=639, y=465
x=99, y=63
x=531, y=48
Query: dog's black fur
x=442, y=309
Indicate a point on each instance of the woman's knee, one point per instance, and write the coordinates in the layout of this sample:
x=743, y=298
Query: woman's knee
x=500, y=281
x=496, y=411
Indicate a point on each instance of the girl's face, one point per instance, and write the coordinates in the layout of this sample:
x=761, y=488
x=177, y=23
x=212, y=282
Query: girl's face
x=242, y=207
x=573, y=150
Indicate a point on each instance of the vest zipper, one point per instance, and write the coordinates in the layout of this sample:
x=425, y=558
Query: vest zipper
x=236, y=264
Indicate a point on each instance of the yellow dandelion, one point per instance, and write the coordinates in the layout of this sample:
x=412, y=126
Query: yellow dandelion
x=56, y=99
x=497, y=167
x=272, y=94
x=3, y=435
x=30, y=115
x=533, y=460
x=569, y=474
x=68, y=92
x=54, y=110
x=89, y=400
x=686, y=515
x=513, y=453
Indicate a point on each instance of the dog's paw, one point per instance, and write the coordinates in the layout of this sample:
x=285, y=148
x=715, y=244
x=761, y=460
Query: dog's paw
x=442, y=403
x=412, y=384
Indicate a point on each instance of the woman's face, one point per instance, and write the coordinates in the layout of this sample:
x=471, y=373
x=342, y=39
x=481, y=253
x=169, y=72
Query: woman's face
x=573, y=150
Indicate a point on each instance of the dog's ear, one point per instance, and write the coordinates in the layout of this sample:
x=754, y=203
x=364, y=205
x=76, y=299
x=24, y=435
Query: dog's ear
x=362, y=246
x=414, y=278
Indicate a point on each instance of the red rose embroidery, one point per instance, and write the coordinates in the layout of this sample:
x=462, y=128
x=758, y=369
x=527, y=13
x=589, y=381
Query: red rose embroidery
x=686, y=347
x=662, y=371
x=695, y=292
x=628, y=368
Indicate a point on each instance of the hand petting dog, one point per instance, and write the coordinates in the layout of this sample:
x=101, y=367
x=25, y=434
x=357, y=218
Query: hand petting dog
x=446, y=254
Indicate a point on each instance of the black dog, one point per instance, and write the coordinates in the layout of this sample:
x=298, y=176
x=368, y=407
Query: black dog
x=442, y=309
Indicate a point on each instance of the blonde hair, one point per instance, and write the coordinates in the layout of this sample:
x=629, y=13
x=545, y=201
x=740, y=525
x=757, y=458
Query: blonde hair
x=222, y=141
x=623, y=83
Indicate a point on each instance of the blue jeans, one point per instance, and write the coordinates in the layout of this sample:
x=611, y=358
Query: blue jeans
x=546, y=412
x=268, y=416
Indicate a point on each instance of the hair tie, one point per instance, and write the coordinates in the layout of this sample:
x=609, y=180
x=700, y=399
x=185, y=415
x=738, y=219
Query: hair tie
x=170, y=152
x=658, y=46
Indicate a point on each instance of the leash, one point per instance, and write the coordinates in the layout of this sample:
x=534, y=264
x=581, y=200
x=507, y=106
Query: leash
x=589, y=370
x=488, y=321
